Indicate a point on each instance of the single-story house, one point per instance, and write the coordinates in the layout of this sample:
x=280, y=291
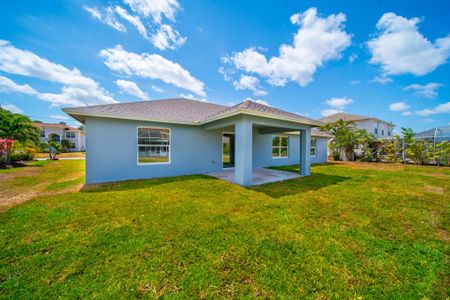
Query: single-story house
x=172, y=137
x=59, y=132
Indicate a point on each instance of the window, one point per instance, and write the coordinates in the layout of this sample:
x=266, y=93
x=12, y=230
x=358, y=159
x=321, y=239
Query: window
x=389, y=133
x=70, y=135
x=313, y=147
x=280, y=146
x=376, y=131
x=153, y=145
x=382, y=132
x=43, y=133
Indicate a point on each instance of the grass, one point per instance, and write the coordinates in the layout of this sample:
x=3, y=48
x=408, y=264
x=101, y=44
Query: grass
x=145, y=160
x=348, y=231
x=63, y=155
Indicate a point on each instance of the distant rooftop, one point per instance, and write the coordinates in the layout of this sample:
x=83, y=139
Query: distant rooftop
x=349, y=117
x=54, y=125
x=181, y=110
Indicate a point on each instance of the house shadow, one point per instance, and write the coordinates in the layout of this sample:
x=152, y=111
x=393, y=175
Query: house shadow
x=313, y=182
x=137, y=184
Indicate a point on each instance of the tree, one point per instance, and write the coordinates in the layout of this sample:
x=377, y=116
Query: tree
x=391, y=149
x=16, y=127
x=408, y=135
x=418, y=151
x=346, y=138
x=63, y=123
x=82, y=128
x=66, y=145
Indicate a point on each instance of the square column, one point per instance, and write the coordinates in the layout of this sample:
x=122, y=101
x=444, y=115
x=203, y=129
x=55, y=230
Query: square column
x=305, y=155
x=243, y=169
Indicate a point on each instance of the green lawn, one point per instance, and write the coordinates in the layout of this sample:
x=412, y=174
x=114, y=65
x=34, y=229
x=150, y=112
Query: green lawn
x=347, y=231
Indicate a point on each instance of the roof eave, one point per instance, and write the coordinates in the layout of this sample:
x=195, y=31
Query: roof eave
x=80, y=116
x=77, y=115
x=313, y=123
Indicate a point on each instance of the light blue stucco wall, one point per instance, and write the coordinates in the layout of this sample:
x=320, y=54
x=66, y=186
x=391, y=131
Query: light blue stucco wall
x=262, y=151
x=111, y=150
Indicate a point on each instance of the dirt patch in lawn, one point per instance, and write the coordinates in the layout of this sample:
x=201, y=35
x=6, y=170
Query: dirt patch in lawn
x=23, y=184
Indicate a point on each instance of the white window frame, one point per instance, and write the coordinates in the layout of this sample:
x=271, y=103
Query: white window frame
x=74, y=135
x=279, y=147
x=313, y=147
x=137, y=147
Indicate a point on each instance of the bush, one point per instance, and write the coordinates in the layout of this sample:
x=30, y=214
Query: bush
x=21, y=156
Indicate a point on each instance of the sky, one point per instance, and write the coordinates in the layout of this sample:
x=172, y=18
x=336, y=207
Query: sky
x=385, y=59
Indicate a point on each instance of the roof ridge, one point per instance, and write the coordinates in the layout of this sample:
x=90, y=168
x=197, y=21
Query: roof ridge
x=145, y=101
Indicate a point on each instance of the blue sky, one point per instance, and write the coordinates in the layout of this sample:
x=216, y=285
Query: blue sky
x=386, y=59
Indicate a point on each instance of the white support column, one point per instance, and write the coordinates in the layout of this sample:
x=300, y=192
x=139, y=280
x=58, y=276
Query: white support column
x=305, y=155
x=243, y=169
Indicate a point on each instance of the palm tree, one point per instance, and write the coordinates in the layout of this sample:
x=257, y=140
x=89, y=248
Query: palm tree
x=16, y=127
x=344, y=139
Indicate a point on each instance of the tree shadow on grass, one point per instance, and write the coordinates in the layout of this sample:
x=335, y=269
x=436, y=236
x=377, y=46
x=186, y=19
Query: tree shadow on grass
x=298, y=185
x=137, y=184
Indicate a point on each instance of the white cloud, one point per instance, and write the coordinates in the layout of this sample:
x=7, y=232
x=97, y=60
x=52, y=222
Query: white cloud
x=249, y=83
x=336, y=105
x=75, y=96
x=259, y=101
x=134, y=20
x=354, y=82
x=152, y=66
x=329, y=111
x=352, y=57
x=12, y=108
x=107, y=17
x=428, y=120
x=317, y=41
x=381, y=79
x=339, y=103
x=263, y=102
x=157, y=89
x=131, y=88
x=167, y=38
x=427, y=91
x=398, y=106
x=162, y=36
x=155, y=8
x=406, y=113
x=78, y=89
x=8, y=86
x=441, y=108
x=400, y=48
x=59, y=117
x=192, y=97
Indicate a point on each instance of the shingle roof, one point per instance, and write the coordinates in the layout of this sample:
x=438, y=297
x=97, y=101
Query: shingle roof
x=180, y=110
x=54, y=125
x=251, y=106
x=348, y=117
x=317, y=133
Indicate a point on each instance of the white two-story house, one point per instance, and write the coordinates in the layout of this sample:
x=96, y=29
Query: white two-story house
x=59, y=132
x=379, y=128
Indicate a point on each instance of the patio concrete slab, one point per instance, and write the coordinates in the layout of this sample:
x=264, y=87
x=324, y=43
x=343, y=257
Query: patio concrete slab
x=259, y=176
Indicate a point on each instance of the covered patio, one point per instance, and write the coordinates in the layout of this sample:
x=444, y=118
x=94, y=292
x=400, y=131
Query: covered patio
x=259, y=176
x=251, y=135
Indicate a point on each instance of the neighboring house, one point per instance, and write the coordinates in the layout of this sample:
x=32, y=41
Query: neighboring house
x=174, y=137
x=379, y=128
x=58, y=132
x=437, y=134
